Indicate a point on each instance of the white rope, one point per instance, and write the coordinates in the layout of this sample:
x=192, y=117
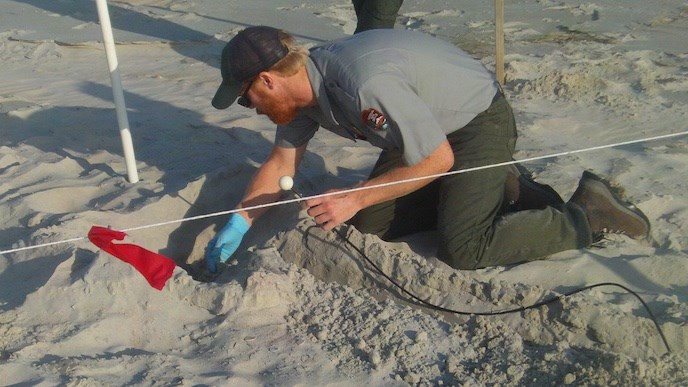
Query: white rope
x=283, y=202
x=73, y=240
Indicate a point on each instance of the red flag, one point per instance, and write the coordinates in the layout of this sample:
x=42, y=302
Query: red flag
x=155, y=267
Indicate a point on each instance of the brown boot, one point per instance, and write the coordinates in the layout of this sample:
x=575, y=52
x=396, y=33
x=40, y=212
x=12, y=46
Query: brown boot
x=606, y=212
x=523, y=193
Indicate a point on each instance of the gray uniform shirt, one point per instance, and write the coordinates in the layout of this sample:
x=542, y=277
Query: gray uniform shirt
x=396, y=89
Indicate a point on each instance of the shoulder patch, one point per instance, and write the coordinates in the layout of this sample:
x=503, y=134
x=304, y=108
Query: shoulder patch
x=372, y=117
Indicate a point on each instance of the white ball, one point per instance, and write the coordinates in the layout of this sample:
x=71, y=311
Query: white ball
x=286, y=183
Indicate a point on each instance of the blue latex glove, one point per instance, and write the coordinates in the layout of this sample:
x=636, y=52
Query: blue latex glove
x=225, y=243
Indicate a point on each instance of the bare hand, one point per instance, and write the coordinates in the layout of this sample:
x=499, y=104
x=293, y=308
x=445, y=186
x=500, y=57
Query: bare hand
x=331, y=211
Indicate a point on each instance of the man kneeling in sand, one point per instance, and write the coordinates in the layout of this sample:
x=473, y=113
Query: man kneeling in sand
x=431, y=108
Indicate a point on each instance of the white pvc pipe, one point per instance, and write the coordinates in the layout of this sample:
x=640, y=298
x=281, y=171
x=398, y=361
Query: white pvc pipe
x=117, y=93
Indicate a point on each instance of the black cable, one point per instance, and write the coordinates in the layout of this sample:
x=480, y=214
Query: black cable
x=506, y=311
x=500, y=312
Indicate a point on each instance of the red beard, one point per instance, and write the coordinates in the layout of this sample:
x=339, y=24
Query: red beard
x=278, y=111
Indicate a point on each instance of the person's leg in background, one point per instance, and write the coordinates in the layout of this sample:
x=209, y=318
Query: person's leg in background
x=375, y=14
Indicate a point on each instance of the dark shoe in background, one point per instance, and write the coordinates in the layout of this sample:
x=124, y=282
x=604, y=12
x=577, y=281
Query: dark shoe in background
x=523, y=193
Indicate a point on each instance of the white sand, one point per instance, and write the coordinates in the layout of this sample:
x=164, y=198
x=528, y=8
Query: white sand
x=297, y=306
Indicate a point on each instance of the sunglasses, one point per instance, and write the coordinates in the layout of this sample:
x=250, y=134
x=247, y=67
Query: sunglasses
x=243, y=99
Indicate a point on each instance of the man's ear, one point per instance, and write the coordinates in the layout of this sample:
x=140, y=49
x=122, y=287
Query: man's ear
x=267, y=79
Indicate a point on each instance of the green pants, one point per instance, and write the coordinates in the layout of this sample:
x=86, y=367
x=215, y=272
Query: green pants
x=468, y=210
x=374, y=14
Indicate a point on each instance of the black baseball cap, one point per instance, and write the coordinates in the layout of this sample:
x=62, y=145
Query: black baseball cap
x=251, y=51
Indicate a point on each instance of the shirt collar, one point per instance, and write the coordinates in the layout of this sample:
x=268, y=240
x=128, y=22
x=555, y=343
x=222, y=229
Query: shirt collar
x=319, y=88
